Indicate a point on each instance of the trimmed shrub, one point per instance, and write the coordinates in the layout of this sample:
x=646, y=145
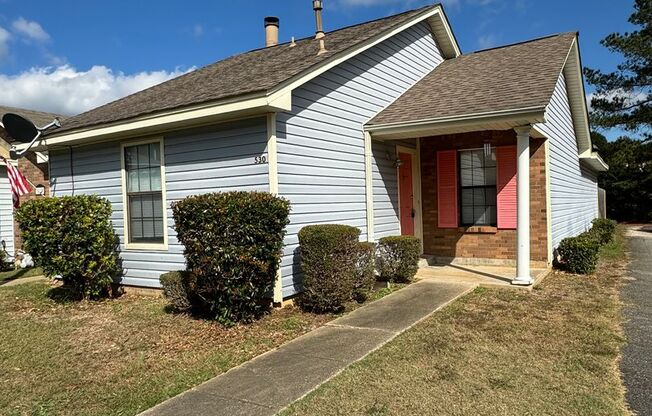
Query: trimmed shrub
x=365, y=277
x=579, y=254
x=603, y=230
x=178, y=288
x=328, y=262
x=398, y=258
x=72, y=237
x=232, y=245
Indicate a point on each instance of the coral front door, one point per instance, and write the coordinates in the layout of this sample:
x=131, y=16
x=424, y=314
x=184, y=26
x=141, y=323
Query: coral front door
x=406, y=194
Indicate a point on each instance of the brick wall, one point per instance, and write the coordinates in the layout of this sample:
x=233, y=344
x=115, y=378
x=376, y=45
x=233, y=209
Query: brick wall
x=37, y=174
x=482, y=242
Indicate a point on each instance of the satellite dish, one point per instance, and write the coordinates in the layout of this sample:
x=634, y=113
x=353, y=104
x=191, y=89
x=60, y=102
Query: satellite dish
x=19, y=128
x=24, y=131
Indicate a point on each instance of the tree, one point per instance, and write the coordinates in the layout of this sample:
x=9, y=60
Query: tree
x=628, y=181
x=623, y=98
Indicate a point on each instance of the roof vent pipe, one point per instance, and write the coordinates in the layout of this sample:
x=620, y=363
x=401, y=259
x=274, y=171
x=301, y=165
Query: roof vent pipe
x=318, y=6
x=271, y=31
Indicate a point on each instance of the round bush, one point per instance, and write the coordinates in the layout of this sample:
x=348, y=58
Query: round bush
x=179, y=288
x=232, y=244
x=603, y=230
x=328, y=263
x=72, y=237
x=398, y=258
x=579, y=254
x=365, y=278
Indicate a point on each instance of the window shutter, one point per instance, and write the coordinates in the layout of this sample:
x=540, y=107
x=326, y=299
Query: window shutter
x=447, y=203
x=506, y=186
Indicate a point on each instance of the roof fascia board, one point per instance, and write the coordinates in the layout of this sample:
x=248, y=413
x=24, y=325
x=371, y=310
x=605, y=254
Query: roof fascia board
x=298, y=80
x=440, y=25
x=532, y=114
x=174, y=119
x=573, y=74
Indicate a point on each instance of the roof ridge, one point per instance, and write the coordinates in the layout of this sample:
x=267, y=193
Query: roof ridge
x=10, y=107
x=260, y=49
x=523, y=42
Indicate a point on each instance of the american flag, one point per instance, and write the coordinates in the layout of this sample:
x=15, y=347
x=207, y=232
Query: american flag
x=19, y=184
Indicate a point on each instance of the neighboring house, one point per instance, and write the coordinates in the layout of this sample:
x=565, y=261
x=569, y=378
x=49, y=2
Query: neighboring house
x=391, y=130
x=35, y=168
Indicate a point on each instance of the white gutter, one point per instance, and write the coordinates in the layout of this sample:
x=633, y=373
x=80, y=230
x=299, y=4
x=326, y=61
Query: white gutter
x=151, y=124
x=530, y=114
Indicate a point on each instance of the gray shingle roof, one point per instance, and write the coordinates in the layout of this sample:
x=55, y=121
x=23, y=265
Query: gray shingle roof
x=252, y=72
x=505, y=78
x=39, y=118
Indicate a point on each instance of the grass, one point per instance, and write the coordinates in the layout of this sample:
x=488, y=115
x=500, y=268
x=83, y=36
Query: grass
x=119, y=356
x=550, y=351
x=18, y=273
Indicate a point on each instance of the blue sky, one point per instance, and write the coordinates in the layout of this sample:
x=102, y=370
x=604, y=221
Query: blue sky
x=68, y=56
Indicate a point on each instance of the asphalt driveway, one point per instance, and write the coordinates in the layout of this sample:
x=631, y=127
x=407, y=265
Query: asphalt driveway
x=636, y=364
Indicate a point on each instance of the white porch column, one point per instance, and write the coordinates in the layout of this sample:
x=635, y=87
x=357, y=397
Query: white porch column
x=523, y=276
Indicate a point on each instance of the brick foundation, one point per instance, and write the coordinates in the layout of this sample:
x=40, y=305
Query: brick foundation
x=482, y=242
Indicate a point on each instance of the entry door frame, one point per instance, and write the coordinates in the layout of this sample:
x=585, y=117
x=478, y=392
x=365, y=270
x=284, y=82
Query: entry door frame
x=416, y=188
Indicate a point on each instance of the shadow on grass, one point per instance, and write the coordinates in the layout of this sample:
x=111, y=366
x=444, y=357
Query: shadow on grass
x=63, y=295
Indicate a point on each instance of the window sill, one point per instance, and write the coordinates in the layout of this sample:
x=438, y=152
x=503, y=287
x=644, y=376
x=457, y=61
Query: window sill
x=481, y=229
x=150, y=247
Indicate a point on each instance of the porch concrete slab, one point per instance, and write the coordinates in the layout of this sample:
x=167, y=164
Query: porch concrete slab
x=272, y=381
x=485, y=276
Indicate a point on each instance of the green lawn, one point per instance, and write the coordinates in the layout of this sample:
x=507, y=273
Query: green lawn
x=551, y=351
x=119, y=356
x=18, y=273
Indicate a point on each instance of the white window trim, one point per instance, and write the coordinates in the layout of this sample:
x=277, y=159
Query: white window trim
x=125, y=205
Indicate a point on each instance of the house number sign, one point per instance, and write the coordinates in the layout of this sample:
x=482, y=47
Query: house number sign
x=259, y=160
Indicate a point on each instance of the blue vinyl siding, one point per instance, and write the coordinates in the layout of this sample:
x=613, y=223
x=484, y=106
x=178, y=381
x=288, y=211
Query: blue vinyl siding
x=321, y=142
x=220, y=158
x=573, y=189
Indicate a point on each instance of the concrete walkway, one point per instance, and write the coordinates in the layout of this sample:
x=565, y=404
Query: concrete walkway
x=272, y=381
x=636, y=363
x=23, y=280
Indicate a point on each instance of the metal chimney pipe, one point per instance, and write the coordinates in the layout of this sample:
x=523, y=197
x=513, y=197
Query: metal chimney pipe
x=318, y=6
x=271, y=31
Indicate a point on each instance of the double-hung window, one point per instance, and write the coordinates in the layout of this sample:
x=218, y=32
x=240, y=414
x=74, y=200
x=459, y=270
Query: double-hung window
x=478, y=187
x=144, y=194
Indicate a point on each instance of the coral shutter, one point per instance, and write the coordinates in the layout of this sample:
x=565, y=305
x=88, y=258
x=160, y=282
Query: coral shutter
x=506, y=186
x=447, y=189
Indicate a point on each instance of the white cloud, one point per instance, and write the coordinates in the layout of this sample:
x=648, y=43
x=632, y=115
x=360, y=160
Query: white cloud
x=66, y=90
x=31, y=30
x=198, y=30
x=487, y=41
x=4, y=43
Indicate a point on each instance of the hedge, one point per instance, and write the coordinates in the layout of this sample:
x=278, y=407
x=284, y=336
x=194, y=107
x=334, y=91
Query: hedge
x=178, y=287
x=232, y=245
x=72, y=237
x=603, y=230
x=365, y=277
x=579, y=254
x=398, y=258
x=328, y=261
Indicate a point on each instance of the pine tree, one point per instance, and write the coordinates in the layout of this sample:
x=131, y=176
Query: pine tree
x=623, y=98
